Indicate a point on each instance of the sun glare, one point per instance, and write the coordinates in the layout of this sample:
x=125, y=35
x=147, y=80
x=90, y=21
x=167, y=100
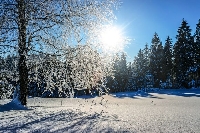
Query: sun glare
x=112, y=39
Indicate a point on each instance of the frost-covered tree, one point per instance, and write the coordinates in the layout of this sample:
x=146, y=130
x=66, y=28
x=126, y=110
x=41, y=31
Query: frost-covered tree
x=26, y=25
x=85, y=67
x=81, y=70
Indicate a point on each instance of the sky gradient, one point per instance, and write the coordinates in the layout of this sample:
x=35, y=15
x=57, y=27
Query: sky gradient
x=142, y=18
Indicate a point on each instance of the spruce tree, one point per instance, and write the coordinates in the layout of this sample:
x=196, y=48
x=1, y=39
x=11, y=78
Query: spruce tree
x=123, y=72
x=197, y=44
x=160, y=63
x=154, y=61
x=116, y=71
x=131, y=81
x=167, y=60
x=146, y=54
x=183, y=54
x=139, y=69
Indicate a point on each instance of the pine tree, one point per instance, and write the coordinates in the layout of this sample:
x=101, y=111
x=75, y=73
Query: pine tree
x=197, y=41
x=154, y=59
x=139, y=69
x=131, y=81
x=183, y=54
x=197, y=44
x=123, y=72
x=146, y=54
x=116, y=70
x=120, y=73
x=160, y=63
x=167, y=60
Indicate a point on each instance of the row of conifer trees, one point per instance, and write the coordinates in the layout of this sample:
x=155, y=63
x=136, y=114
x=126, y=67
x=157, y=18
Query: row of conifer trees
x=174, y=64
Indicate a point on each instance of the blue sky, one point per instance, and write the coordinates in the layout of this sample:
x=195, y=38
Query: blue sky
x=142, y=18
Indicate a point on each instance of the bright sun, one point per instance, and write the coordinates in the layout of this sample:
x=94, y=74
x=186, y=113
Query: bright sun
x=112, y=39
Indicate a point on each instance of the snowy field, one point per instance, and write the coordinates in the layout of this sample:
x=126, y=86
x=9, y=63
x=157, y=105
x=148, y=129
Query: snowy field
x=160, y=111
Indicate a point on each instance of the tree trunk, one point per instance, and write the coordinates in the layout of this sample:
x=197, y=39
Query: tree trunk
x=23, y=71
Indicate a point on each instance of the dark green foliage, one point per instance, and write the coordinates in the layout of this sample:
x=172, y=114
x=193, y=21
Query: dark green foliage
x=131, y=84
x=139, y=69
x=146, y=54
x=183, y=55
x=160, y=63
x=197, y=57
x=121, y=73
x=197, y=43
x=167, y=60
x=155, y=59
x=177, y=65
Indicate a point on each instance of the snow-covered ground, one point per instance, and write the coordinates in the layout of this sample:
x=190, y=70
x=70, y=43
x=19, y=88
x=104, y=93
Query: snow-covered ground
x=159, y=111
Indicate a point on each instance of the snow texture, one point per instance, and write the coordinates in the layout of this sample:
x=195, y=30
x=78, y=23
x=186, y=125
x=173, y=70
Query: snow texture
x=160, y=111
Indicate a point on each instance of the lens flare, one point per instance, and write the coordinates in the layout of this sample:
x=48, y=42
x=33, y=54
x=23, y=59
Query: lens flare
x=112, y=39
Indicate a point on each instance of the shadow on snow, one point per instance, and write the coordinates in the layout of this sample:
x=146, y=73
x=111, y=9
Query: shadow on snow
x=12, y=106
x=65, y=121
x=135, y=95
x=180, y=92
x=152, y=94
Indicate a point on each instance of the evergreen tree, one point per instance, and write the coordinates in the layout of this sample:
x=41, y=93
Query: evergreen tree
x=146, y=54
x=154, y=59
x=160, y=63
x=131, y=81
x=116, y=70
x=183, y=54
x=197, y=44
x=139, y=69
x=123, y=72
x=167, y=60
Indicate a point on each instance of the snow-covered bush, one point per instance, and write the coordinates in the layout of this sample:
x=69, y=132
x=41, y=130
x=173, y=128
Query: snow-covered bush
x=50, y=76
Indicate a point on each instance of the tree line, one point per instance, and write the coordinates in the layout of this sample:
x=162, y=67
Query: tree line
x=83, y=70
x=161, y=65
x=170, y=65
